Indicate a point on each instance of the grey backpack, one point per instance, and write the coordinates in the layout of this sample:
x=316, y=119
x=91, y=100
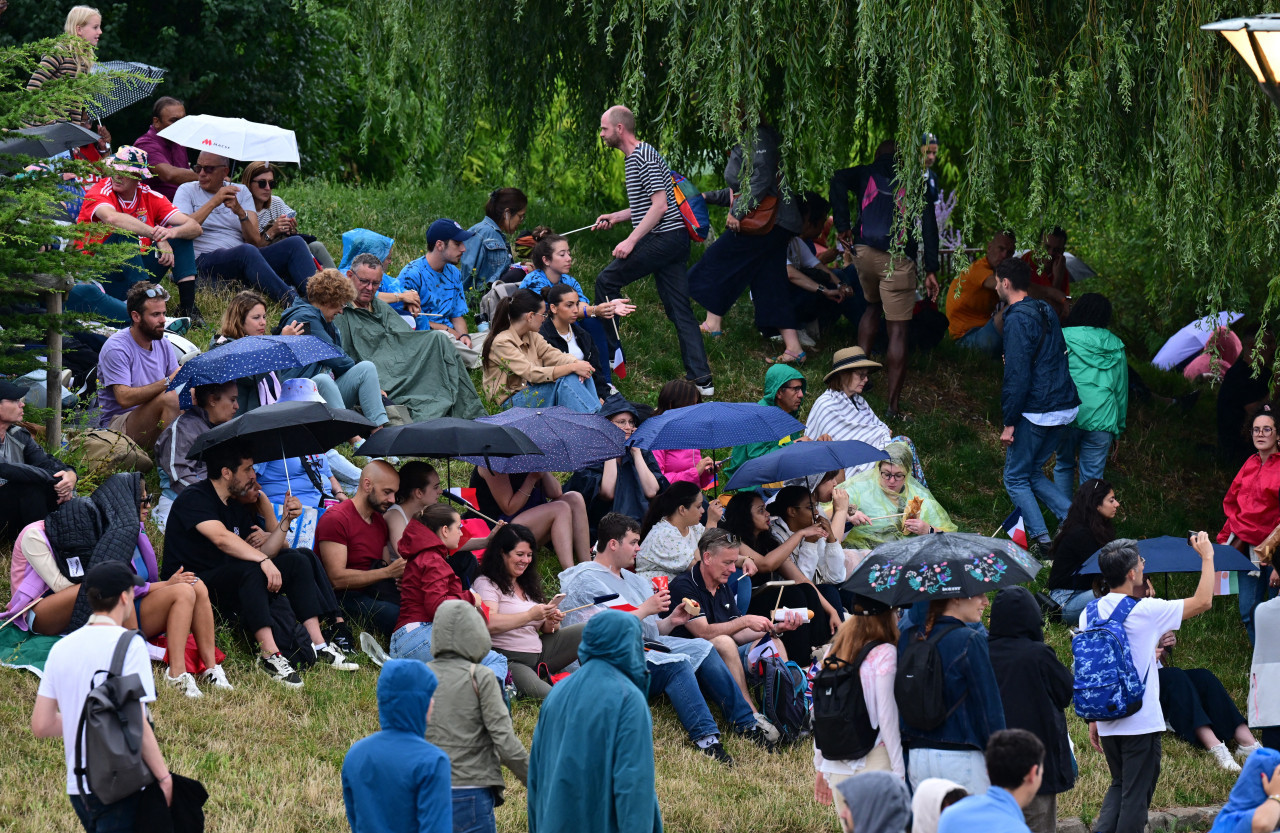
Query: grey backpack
x=109, y=740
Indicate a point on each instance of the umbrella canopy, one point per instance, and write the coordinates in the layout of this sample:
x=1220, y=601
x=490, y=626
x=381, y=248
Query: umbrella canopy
x=569, y=440
x=945, y=565
x=249, y=356
x=285, y=429
x=801, y=459
x=449, y=437
x=1168, y=554
x=238, y=139
x=1192, y=338
x=46, y=140
x=715, y=425
x=125, y=89
x=1077, y=269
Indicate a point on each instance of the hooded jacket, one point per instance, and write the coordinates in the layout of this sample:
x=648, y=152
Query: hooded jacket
x=926, y=803
x=471, y=723
x=394, y=781
x=1101, y=374
x=774, y=378
x=591, y=767
x=428, y=580
x=323, y=330
x=1035, y=686
x=1036, y=381
x=1236, y=816
x=878, y=801
x=177, y=471
x=119, y=501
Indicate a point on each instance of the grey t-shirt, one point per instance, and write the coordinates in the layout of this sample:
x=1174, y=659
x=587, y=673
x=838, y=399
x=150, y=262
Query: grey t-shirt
x=222, y=228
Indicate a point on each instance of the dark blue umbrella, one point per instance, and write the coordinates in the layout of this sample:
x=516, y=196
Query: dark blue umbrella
x=1168, y=554
x=569, y=440
x=249, y=356
x=715, y=425
x=801, y=459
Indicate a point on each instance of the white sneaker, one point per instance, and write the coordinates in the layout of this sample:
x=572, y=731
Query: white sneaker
x=331, y=656
x=771, y=732
x=1243, y=752
x=371, y=647
x=1224, y=758
x=185, y=683
x=708, y=390
x=279, y=669
x=216, y=677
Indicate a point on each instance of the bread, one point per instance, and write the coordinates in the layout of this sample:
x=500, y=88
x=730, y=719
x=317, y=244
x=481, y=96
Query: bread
x=693, y=607
x=913, y=509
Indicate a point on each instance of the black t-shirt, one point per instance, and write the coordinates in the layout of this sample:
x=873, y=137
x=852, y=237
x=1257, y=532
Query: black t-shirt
x=184, y=545
x=722, y=606
x=1069, y=555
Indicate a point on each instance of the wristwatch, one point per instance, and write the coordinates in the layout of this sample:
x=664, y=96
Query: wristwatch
x=1275, y=798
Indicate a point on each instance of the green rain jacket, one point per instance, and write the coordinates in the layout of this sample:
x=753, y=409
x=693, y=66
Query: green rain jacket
x=776, y=376
x=1098, y=367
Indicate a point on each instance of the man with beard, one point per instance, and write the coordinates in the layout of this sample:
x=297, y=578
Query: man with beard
x=135, y=366
x=436, y=279
x=203, y=536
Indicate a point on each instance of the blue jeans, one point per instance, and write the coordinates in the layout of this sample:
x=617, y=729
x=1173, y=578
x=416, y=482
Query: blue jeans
x=1253, y=592
x=679, y=682
x=985, y=339
x=416, y=644
x=87, y=296
x=382, y=615
x=570, y=391
x=1090, y=449
x=146, y=267
x=358, y=386
x=105, y=818
x=966, y=767
x=1073, y=604
x=280, y=270
x=1024, y=478
x=473, y=810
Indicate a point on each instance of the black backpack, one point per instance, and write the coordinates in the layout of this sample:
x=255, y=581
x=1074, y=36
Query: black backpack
x=108, y=761
x=842, y=728
x=782, y=696
x=920, y=685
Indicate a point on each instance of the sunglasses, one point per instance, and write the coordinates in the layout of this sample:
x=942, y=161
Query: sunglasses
x=200, y=169
x=264, y=183
x=157, y=291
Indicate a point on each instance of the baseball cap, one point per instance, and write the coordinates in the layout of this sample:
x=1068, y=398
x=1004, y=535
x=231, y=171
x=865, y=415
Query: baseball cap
x=8, y=390
x=130, y=160
x=927, y=138
x=445, y=229
x=111, y=578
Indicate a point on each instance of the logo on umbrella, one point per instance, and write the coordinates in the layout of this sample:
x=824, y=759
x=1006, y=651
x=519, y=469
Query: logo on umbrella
x=931, y=578
x=986, y=568
x=207, y=142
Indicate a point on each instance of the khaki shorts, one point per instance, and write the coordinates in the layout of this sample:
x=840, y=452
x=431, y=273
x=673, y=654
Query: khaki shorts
x=896, y=291
x=117, y=422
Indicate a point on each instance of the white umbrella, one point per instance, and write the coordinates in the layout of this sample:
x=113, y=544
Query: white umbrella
x=1077, y=269
x=239, y=139
x=1192, y=338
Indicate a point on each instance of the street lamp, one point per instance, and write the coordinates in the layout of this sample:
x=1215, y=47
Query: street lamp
x=1257, y=39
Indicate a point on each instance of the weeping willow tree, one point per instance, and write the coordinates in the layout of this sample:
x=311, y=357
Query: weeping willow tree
x=1074, y=112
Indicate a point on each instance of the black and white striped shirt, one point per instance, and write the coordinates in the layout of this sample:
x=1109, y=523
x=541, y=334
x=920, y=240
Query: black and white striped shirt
x=647, y=173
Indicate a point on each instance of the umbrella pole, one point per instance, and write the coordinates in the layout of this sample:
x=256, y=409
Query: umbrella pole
x=288, y=482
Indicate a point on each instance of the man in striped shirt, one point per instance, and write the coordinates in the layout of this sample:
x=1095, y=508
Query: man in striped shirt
x=658, y=244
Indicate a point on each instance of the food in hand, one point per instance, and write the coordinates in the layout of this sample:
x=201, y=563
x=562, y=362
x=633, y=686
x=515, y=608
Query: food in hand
x=780, y=615
x=913, y=509
x=692, y=607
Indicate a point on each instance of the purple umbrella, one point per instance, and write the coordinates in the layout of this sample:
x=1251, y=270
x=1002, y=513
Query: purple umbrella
x=569, y=440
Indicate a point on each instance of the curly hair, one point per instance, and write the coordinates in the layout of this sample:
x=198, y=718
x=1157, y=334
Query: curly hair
x=329, y=287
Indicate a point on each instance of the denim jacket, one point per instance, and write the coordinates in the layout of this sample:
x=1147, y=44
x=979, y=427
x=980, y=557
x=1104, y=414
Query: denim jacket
x=488, y=255
x=969, y=675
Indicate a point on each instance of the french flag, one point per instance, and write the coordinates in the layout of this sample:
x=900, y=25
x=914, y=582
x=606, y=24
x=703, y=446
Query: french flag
x=1014, y=528
x=620, y=604
x=619, y=363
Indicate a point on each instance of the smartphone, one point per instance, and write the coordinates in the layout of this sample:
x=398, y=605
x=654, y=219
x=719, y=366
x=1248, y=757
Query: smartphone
x=780, y=583
x=306, y=328
x=556, y=600
x=1191, y=536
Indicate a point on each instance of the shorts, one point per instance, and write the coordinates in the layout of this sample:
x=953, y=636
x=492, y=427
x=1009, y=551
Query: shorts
x=117, y=422
x=896, y=292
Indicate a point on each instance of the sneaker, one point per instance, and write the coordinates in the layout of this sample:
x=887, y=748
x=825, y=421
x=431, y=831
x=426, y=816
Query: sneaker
x=771, y=732
x=756, y=735
x=1243, y=752
x=216, y=677
x=330, y=655
x=716, y=752
x=185, y=683
x=340, y=635
x=372, y=649
x=279, y=669
x=708, y=389
x=1224, y=759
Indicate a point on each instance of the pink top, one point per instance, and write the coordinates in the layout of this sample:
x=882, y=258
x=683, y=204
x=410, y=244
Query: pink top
x=682, y=464
x=524, y=639
x=1228, y=346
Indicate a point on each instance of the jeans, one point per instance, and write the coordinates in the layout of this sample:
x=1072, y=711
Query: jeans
x=263, y=268
x=570, y=391
x=678, y=681
x=88, y=296
x=663, y=256
x=358, y=386
x=1024, y=478
x=1073, y=604
x=966, y=767
x=1134, y=761
x=146, y=267
x=1253, y=592
x=473, y=810
x=720, y=688
x=105, y=818
x=1090, y=448
x=382, y=615
x=985, y=339
x=416, y=644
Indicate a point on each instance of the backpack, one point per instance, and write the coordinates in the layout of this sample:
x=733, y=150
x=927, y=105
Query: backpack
x=920, y=684
x=842, y=728
x=109, y=738
x=1106, y=680
x=291, y=637
x=692, y=208
x=782, y=696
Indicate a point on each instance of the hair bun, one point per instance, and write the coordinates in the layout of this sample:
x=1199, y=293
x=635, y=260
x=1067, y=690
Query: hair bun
x=540, y=232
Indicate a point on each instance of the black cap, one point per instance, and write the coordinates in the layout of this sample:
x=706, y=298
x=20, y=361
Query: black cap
x=111, y=578
x=8, y=390
x=868, y=606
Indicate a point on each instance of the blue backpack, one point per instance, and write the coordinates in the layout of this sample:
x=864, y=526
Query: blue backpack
x=1106, y=681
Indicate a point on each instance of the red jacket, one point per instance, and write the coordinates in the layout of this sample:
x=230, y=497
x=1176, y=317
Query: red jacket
x=1252, y=504
x=428, y=579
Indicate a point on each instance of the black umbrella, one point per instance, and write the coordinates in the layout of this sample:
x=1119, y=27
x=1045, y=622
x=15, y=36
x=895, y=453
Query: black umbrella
x=46, y=140
x=285, y=429
x=449, y=437
x=944, y=565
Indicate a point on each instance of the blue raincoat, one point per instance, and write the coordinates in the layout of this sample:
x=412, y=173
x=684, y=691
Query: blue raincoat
x=360, y=241
x=1247, y=795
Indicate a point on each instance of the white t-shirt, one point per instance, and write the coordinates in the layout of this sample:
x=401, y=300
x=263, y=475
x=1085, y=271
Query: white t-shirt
x=575, y=349
x=68, y=672
x=222, y=228
x=1147, y=622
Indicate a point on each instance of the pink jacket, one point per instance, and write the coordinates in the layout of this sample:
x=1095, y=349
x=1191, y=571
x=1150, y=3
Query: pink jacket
x=682, y=464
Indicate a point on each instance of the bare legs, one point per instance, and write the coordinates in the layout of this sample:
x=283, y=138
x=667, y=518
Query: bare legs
x=562, y=523
x=895, y=357
x=146, y=421
x=176, y=610
x=53, y=613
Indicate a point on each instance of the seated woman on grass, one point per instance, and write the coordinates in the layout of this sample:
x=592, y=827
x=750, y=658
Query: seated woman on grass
x=563, y=332
x=276, y=220
x=882, y=493
x=682, y=463
x=623, y=484
x=525, y=628
x=522, y=370
x=557, y=516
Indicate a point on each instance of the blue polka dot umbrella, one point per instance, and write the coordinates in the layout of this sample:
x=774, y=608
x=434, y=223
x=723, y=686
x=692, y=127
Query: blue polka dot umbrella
x=249, y=356
x=569, y=440
x=715, y=425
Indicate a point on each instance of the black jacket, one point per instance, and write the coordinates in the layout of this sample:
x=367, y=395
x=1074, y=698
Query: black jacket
x=875, y=190
x=1034, y=684
x=37, y=466
x=119, y=500
x=1070, y=551
x=590, y=353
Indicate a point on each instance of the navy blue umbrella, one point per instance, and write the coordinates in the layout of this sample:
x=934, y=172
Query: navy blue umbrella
x=801, y=459
x=569, y=440
x=1168, y=554
x=249, y=356
x=715, y=425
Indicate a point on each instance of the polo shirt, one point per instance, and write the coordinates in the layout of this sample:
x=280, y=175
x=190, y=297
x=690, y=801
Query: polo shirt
x=720, y=606
x=162, y=151
x=969, y=303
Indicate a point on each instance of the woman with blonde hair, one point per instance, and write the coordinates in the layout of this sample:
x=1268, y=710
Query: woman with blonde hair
x=884, y=493
x=276, y=220
x=84, y=24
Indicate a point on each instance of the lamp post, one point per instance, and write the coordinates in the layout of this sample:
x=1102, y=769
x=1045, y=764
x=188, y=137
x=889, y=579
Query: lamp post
x=1257, y=39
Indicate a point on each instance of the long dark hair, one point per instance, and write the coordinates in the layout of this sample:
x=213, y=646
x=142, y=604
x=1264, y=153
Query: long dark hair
x=737, y=519
x=678, y=393
x=1084, y=512
x=1090, y=310
x=517, y=304
x=676, y=496
x=505, y=200
x=493, y=564
x=545, y=245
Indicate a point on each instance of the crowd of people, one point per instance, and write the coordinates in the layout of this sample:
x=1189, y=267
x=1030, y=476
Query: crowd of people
x=662, y=591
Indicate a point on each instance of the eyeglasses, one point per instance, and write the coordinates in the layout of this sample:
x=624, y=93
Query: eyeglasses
x=540, y=314
x=206, y=168
x=1263, y=430
x=793, y=387
x=898, y=476
x=264, y=183
x=157, y=291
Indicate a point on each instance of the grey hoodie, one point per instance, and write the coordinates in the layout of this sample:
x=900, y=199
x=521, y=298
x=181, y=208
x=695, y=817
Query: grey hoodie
x=879, y=802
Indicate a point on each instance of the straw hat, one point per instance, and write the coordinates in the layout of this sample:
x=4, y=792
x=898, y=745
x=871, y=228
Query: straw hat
x=850, y=358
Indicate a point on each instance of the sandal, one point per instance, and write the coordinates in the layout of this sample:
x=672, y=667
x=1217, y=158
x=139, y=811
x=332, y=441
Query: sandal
x=713, y=333
x=788, y=357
